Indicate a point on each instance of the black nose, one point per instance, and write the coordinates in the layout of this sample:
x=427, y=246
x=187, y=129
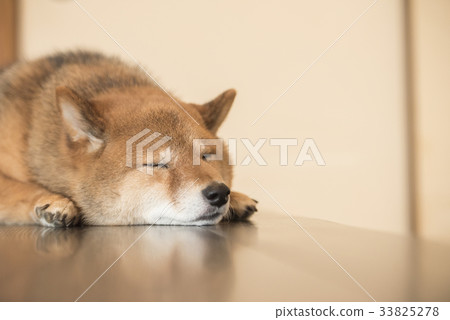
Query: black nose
x=216, y=194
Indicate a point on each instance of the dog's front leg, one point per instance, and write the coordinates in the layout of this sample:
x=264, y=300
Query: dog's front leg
x=28, y=203
x=241, y=207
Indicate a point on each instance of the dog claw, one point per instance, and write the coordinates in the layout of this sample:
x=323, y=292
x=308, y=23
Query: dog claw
x=57, y=211
x=241, y=207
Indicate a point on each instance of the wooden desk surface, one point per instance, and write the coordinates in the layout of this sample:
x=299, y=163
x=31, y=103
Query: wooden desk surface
x=271, y=259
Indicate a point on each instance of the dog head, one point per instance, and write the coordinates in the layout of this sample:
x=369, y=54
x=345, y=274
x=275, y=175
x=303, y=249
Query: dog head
x=137, y=156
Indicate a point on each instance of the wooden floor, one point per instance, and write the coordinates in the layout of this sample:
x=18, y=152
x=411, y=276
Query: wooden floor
x=269, y=259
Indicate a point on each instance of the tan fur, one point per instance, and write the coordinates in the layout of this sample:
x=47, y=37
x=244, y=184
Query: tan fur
x=64, y=123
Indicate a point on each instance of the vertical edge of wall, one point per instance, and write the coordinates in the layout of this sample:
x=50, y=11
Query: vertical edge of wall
x=410, y=118
x=8, y=33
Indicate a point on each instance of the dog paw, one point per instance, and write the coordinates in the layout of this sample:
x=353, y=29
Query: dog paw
x=56, y=211
x=241, y=207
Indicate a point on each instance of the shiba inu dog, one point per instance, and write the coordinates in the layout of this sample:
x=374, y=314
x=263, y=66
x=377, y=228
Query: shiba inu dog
x=64, y=123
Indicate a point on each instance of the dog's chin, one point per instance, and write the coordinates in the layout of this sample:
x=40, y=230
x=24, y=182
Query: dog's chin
x=208, y=216
x=203, y=220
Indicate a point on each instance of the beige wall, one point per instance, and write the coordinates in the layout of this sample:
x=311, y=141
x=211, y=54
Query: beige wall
x=431, y=97
x=352, y=101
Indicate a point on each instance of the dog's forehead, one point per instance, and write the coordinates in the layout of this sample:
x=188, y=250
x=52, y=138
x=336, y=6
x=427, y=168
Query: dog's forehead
x=162, y=124
x=133, y=111
x=173, y=121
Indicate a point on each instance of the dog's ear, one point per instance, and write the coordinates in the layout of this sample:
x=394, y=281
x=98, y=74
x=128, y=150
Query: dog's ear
x=215, y=111
x=81, y=121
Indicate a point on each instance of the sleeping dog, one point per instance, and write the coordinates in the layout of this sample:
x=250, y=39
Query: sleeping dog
x=66, y=122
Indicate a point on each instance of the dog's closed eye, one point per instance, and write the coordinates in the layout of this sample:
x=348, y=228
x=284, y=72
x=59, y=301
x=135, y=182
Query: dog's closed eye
x=156, y=165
